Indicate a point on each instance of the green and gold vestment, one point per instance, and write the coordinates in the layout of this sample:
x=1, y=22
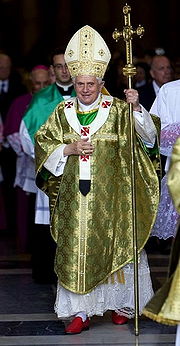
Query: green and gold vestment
x=94, y=233
x=164, y=307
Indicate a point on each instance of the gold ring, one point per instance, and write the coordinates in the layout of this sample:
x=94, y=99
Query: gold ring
x=83, y=152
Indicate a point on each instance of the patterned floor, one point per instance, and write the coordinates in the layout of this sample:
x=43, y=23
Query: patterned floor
x=27, y=317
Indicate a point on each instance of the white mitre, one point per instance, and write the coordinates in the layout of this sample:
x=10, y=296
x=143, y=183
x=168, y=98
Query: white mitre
x=87, y=53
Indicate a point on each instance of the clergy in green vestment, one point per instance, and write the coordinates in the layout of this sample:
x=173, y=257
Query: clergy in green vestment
x=42, y=105
x=82, y=156
x=45, y=101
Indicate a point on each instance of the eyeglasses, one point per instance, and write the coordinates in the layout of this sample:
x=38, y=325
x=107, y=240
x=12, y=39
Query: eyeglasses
x=60, y=66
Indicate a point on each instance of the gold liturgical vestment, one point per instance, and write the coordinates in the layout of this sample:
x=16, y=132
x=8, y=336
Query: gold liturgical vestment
x=94, y=233
x=164, y=307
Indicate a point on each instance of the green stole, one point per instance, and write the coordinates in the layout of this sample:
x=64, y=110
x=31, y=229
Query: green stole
x=86, y=118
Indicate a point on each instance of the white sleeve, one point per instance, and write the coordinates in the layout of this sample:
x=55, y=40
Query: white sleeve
x=56, y=161
x=145, y=127
x=154, y=108
x=15, y=143
x=26, y=141
x=159, y=107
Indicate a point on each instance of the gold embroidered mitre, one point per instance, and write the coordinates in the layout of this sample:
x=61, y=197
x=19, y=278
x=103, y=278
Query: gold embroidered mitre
x=87, y=53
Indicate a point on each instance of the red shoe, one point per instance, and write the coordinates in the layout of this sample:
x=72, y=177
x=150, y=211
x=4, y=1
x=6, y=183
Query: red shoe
x=77, y=326
x=118, y=319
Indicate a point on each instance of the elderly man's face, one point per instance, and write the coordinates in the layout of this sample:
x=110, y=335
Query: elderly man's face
x=40, y=79
x=161, y=70
x=87, y=89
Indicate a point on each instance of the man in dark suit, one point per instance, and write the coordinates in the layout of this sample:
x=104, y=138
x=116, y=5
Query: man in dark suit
x=10, y=87
x=10, y=84
x=161, y=72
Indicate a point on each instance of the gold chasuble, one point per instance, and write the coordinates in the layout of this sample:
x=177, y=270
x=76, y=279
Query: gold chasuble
x=94, y=232
x=164, y=307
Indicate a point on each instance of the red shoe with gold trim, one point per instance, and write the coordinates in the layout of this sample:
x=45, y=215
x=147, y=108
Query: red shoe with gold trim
x=118, y=319
x=77, y=326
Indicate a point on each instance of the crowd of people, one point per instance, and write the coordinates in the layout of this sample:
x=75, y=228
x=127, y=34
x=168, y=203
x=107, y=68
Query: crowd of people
x=66, y=175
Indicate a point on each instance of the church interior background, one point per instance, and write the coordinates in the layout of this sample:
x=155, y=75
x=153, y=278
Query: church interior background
x=29, y=30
